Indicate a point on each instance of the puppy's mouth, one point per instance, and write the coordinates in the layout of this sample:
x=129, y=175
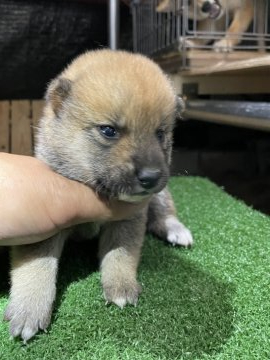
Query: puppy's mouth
x=134, y=198
x=125, y=193
x=212, y=9
x=133, y=188
x=128, y=193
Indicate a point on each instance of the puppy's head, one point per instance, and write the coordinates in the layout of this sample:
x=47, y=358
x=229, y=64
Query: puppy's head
x=108, y=123
x=194, y=9
x=205, y=9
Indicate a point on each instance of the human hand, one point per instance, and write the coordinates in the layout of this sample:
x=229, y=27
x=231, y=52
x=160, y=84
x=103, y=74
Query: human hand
x=36, y=202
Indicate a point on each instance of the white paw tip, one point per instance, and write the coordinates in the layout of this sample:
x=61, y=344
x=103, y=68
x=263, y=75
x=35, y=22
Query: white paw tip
x=222, y=46
x=177, y=233
x=27, y=334
x=121, y=302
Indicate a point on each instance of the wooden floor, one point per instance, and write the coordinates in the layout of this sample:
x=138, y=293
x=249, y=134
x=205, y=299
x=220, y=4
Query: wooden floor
x=18, y=121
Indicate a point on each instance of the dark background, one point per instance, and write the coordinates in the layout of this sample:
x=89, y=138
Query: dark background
x=38, y=38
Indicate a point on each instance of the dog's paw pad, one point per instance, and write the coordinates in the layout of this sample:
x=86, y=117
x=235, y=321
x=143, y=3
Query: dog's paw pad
x=177, y=233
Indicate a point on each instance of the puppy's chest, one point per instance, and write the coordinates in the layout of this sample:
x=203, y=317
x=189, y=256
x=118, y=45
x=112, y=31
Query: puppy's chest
x=87, y=231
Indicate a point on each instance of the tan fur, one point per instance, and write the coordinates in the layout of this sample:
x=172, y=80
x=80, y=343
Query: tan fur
x=131, y=94
x=239, y=11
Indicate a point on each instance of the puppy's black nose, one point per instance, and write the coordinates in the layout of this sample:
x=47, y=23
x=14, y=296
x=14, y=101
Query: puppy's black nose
x=206, y=7
x=149, y=177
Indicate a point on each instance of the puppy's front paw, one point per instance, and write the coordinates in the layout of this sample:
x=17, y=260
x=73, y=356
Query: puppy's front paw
x=177, y=233
x=122, y=292
x=223, y=45
x=27, y=317
x=186, y=43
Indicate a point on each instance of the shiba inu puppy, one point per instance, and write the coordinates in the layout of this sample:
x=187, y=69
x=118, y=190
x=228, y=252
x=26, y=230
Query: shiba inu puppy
x=214, y=16
x=108, y=123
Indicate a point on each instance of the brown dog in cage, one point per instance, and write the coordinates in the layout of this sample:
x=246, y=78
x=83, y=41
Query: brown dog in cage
x=212, y=17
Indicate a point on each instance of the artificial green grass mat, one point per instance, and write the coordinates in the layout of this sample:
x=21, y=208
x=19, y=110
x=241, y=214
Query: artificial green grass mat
x=208, y=302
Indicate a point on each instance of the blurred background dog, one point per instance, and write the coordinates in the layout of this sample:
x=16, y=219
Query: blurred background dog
x=232, y=17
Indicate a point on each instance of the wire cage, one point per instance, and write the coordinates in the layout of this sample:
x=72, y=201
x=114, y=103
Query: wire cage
x=214, y=29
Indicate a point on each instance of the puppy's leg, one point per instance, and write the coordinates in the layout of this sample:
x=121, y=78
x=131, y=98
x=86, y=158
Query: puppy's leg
x=241, y=21
x=120, y=247
x=33, y=286
x=163, y=222
x=198, y=38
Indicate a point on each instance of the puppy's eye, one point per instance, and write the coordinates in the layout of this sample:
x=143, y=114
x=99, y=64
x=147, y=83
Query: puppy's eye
x=160, y=135
x=108, y=131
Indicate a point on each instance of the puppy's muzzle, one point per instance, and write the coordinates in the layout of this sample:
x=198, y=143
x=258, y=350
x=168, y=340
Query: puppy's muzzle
x=148, y=178
x=148, y=181
x=211, y=8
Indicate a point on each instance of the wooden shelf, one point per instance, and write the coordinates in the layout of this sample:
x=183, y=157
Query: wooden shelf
x=207, y=62
x=211, y=73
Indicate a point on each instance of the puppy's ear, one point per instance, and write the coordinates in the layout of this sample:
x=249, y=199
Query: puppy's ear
x=57, y=92
x=180, y=106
